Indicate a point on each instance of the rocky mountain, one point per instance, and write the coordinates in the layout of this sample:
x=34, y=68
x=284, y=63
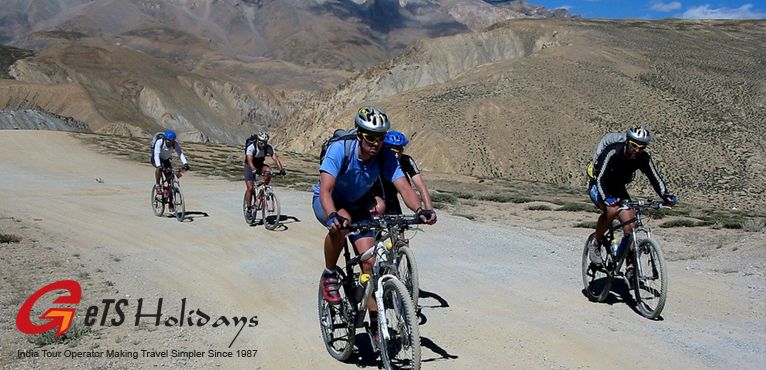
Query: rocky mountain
x=331, y=34
x=217, y=70
x=522, y=99
x=530, y=99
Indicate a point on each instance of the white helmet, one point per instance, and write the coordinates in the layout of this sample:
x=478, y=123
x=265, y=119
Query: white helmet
x=372, y=119
x=262, y=136
x=638, y=134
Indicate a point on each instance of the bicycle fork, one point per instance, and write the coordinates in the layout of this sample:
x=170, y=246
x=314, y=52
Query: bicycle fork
x=637, y=253
x=382, y=319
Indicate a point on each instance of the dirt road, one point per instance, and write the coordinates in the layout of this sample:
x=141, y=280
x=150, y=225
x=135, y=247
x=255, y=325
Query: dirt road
x=495, y=296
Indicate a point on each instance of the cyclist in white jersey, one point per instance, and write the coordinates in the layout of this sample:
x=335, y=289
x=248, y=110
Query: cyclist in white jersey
x=162, y=150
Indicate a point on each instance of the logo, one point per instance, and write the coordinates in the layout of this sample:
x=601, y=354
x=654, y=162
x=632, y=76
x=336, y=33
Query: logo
x=115, y=312
x=57, y=317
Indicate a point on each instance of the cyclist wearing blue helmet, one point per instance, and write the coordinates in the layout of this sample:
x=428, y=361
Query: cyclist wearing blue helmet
x=396, y=141
x=161, y=151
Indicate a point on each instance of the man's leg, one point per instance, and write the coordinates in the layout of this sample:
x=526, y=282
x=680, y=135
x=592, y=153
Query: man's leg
x=249, y=193
x=333, y=244
x=624, y=216
x=362, y=245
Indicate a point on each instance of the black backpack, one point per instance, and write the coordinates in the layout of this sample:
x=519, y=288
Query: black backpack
x=250, y=140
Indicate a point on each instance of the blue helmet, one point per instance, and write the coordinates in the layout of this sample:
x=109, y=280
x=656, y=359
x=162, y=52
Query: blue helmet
x=396, y=138
x=170, y=135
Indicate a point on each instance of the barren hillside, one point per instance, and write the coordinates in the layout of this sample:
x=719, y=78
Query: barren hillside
x=119, y=90
x=529, y=100
x=212, y=70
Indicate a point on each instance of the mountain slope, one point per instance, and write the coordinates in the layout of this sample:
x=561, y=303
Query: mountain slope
x=700, y=87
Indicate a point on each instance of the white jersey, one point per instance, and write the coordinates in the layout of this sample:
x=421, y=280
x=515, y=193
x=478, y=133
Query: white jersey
x=163, y=152
x=259, y=152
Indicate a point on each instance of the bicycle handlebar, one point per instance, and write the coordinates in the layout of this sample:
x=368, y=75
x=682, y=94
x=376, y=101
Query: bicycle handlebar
x=644, y=203
x=385, y=221
x=272, y=174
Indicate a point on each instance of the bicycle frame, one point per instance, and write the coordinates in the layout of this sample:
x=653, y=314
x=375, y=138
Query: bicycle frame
x=385, y=262
x=637, y=228
x=260, y=196
x=169, y=180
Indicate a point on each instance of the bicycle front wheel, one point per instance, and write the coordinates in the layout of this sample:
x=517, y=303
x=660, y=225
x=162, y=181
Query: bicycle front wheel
x=178, y=203
x=271, y=211
x=651, y=280
x=337, y=324
x=595, y=278
x=408, y=273
x=402, y=349
x=158, y=206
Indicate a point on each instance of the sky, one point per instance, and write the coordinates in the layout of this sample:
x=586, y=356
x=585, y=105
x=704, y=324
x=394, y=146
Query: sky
x=658, y=9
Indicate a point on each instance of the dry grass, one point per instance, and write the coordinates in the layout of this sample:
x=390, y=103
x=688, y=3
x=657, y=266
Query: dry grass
x=468, y=197
x=9, y=238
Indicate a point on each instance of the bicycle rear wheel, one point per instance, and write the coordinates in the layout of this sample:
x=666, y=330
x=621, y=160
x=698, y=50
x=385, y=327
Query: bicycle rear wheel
x=336, y=321
x=271, y=211
x=651, y=282
x=402, y=349
x=178, y=203
x=596, y=279
x=408, y=273
x=158, y=206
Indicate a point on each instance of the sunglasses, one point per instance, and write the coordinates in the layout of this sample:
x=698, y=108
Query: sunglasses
x=636, y=146
x=397, y=149
x=372, y=139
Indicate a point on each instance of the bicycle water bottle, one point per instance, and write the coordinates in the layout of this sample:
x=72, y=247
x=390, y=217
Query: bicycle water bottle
x=614, y=246
x=380, y=248
x=623, y=244
x=618, y=245
x=361, y=283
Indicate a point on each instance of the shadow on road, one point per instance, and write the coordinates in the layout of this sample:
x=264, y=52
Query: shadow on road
x=284, y=220
x=190, y=215
x=620, y=292
x=427, y=296
x=432, y=301
x=435, y=348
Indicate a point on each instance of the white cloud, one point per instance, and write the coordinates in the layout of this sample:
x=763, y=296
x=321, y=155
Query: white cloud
x=706, y=12
x=659, y=6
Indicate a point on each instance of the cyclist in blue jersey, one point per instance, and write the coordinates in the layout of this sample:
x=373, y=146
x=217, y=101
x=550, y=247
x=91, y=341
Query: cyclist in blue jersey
x=348, y=171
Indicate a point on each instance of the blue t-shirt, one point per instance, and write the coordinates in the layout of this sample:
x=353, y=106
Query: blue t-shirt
x=359, y=177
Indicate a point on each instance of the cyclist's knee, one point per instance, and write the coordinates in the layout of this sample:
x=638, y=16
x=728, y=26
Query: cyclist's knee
x=336, y=237
x=367, y=265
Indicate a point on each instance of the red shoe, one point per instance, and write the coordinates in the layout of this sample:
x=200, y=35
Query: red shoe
x=329, y=285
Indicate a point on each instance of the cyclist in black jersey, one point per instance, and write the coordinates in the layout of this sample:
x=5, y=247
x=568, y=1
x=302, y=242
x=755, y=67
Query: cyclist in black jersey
x=614, y=170
x=396, y=141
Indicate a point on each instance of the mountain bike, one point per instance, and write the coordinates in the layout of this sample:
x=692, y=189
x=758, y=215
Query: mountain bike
x=649, y=281
x=170, y=195
x=265, y=204
x=401, y=255
x=399, y=339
